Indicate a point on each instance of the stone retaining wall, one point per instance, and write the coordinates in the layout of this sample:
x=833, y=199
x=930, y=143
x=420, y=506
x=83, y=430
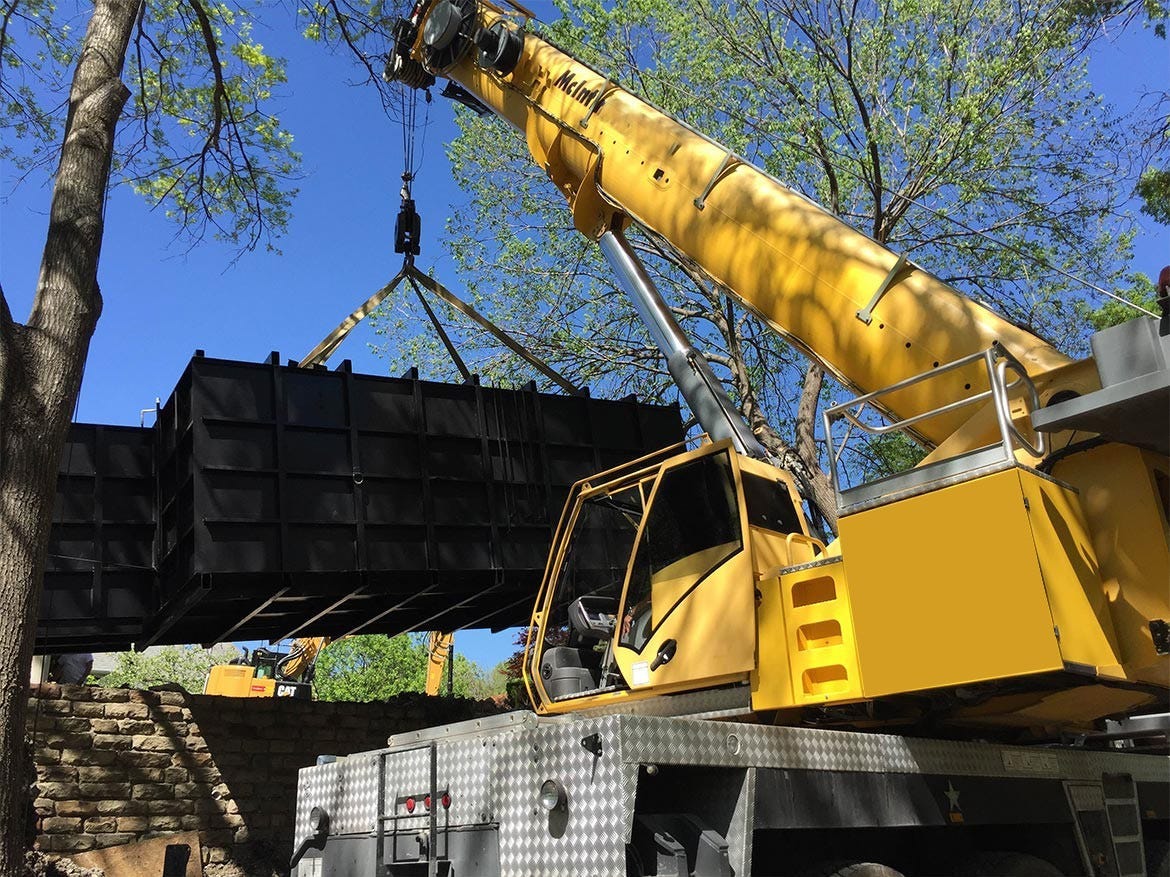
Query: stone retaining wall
x=117, y=765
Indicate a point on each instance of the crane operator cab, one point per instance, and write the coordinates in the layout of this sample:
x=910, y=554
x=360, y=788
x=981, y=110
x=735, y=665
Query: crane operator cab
x=651, y=585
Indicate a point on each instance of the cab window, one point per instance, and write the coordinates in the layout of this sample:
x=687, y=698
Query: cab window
x=596, y=559
x=692, y=527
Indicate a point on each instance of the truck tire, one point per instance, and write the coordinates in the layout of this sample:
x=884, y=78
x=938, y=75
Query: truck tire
x=634, y=866
x=851, y=869
x=1003, y=864
x=1157, y=857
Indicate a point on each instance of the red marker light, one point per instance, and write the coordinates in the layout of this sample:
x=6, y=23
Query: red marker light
x=427, y=802
x=445, y=801
x=410, y=805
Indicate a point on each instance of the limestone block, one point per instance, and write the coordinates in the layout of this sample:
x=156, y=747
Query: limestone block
x=76, y=808
x=152, y=792
x=104, y=790
x=61, y=824
x=70, y=843
x=146, y=743
x=59, y=791
x=88, y=757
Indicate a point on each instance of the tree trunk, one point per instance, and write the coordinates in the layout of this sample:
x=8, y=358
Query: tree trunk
x=806, y=443
x=40, y=375
x=801, y=459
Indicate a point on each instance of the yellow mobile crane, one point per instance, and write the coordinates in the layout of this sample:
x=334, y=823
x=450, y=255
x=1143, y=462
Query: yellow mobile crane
x=1017, y=577
x=693, y=640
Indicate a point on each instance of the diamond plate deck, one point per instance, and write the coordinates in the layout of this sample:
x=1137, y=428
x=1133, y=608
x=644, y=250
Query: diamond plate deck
x=688, y=741
x=493, y=772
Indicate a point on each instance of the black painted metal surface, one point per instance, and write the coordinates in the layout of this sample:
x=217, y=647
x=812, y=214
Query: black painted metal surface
x=297, y=502
x=99, y=578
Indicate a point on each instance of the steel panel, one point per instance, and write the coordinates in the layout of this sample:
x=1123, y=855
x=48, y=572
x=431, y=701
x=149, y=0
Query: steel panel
x=651, y=740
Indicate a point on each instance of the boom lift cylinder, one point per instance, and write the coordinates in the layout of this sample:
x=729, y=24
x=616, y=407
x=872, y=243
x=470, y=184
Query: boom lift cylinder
x=704, y=393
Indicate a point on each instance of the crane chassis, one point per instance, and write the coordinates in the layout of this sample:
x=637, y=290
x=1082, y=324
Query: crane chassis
x=707, y=795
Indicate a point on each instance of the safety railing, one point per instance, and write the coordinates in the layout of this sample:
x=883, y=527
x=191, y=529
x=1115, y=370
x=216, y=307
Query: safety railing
x=998, y=363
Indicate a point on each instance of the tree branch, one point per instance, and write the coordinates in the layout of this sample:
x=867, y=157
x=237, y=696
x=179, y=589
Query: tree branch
x=8, y=11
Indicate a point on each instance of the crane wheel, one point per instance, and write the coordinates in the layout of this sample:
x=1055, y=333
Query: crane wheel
x=634, y=866
x=851, y=869
x=1002, y=864
x=1157, y=857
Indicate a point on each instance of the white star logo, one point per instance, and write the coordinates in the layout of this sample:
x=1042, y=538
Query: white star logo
x=952, y=795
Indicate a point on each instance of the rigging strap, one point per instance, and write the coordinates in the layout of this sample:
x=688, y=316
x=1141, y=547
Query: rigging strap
x=319, y=354
x=455, y=357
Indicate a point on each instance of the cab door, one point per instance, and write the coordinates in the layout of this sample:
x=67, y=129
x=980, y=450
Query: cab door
x=687, y=615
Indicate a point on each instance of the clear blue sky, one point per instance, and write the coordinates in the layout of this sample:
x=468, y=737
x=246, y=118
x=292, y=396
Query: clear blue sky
x=161, y=303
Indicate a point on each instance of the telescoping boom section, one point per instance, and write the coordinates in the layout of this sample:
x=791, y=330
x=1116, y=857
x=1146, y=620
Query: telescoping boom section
x=1015, y=580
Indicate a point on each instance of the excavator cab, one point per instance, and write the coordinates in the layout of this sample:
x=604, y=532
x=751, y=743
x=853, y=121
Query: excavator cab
x=651, y=584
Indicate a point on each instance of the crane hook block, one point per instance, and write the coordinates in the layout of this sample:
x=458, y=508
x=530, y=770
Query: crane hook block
x=407, y=229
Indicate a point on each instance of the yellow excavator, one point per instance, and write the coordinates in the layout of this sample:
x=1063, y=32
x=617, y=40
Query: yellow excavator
x=1015, y=579
x=264, y=673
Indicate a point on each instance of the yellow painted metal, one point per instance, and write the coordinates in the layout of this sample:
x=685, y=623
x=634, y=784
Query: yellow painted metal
x=711, y=619
x=947, y=590
x=1071, y=575
x=302, y=656
x=643, y=469
x=808, y=649
x=996, y=578
x=438, y=652
x=1051, y=712
x=1123, y=492
x=237, y=680
x=982, y=428
x=820, y=637
x=714, y=626
x=771, y=678
x=800, y=268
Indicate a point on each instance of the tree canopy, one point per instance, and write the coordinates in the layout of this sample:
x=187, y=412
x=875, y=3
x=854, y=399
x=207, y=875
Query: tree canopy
x=198, y=137
x=374, y=667
x=187, y=666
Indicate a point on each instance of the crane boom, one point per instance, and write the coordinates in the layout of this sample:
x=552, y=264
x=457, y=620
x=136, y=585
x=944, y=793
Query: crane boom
x=871, y=318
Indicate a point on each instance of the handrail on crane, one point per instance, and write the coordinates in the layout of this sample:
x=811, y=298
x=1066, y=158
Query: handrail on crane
x=998, y=362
